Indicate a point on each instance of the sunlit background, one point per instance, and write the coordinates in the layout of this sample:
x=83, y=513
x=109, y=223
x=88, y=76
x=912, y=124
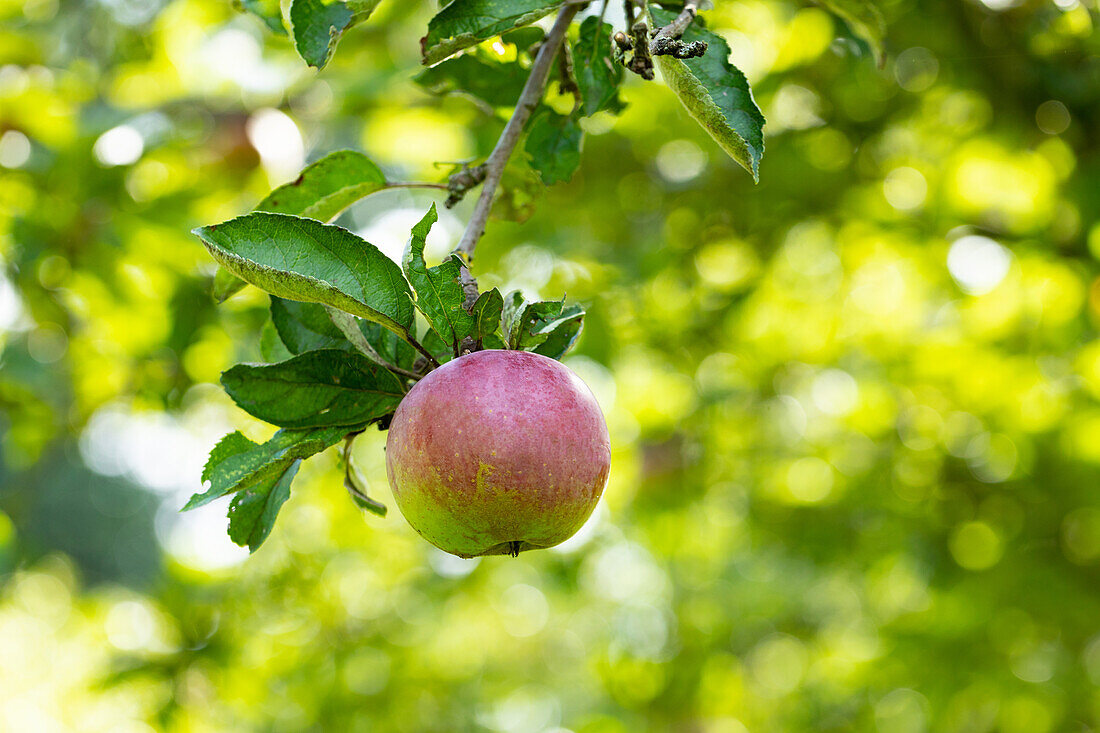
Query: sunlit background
x=855, y=410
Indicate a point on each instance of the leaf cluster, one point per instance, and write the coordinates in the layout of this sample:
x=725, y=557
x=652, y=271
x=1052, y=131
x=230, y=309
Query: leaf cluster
x=343, y=343
x=456, y=49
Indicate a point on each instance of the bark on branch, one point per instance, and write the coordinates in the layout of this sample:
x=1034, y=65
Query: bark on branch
x=528, y=100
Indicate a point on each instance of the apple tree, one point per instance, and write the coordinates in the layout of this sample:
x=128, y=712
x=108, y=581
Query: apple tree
x=352, y=333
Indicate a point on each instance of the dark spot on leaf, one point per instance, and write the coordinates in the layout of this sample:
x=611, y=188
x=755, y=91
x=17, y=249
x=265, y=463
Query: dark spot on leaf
x=298, y=180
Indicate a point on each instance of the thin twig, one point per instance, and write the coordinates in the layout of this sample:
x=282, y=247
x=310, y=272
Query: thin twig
x=440, y=186
x=350, y=328
x=456, y=186
x=462, y=181
x=528, y=100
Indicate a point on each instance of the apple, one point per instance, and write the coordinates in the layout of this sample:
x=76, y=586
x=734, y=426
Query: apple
x=498, y=452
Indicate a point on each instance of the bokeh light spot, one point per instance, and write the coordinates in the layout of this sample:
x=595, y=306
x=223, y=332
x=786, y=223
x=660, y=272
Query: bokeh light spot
x=978, y=264
x=905, y=188
x=1081, y=535
x=901, y=711
x=976, y=546
x=916, y=69
x=523, y=610
x=778, y=664
x=680, y=161
x=120, y=145
x=15, y=149
x=1052, y=117
x=278, y=141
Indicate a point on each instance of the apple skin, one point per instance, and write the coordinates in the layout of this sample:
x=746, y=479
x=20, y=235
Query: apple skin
x=498, y=452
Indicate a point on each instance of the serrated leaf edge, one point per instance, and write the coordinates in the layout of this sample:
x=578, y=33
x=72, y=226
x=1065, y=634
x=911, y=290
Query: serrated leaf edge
x=450, y=45
x=341, y=300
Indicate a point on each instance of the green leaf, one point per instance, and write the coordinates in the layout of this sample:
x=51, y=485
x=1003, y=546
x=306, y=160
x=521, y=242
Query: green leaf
x=524, y=38
x=865, y=20
x=486, y=311
x=326, y=187
x=220, y=463
x=494, y=83
x=272, y=347
x=315, y=389
x=598, y=76
x=305, y=326
x=236, y=462
x=317, y=28
x=511, y=314
x=388, y=345
x=268, y=11
x=521, y=319
x=305, y=260
x=302, y=327
x=716, y=94
x=493, y=341
x=361, y=9
x=253, y=510
x=545, y=327
x=464, y=23
x=437, y=347
x=527, y=327
x=322, y=190
x=226, y=285
x=439, y=293
x=554, y=145
x=559, y=334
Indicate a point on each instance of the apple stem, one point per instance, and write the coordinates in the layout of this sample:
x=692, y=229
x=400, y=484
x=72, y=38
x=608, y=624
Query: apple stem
x=513, y=548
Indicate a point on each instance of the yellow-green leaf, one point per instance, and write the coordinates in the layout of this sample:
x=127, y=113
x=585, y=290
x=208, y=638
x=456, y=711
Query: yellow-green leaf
x=716, y=94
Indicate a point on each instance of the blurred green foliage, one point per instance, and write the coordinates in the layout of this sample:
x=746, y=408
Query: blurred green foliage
x=855, y=410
